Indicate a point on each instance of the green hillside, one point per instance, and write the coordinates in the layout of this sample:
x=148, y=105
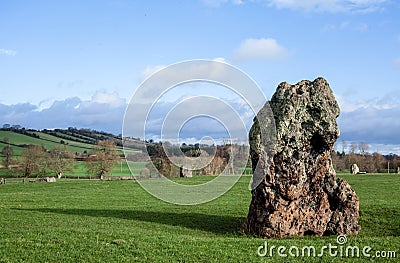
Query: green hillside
x=18, y=141
x=76, y=140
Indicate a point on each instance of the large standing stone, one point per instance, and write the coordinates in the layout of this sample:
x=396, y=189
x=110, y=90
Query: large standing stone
x=300, y=193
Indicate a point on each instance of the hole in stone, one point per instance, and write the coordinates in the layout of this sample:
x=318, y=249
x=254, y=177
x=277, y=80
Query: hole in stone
x=317, y=143
x=300, y=91
x=333, y=202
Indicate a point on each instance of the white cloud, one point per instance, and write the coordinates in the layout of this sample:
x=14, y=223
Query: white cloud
x=111, y=99
x=151, y=69
x=215, y=70
x=389, y=101
x=220, y=59
x=374, y=121
x=171, y=116
x=44, y=104
x=332, y=6
x=102, y=112
x=384, y=148
x=262, y=48
x=8, y=52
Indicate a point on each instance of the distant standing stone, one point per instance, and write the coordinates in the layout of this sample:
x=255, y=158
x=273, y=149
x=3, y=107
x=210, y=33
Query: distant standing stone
x=300, y=193
x=48, y=179
x=354, y=169
x=185, y=172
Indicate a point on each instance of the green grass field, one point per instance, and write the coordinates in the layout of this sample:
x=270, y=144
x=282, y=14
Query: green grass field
x=120, y=169
x=80, y=169
x=117, y=221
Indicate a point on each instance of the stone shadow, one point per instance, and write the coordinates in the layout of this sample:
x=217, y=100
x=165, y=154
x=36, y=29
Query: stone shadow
x=217, y=224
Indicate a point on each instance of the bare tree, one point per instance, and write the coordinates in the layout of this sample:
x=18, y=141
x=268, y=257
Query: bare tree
x=363, y=147
x=344, y=146
x=33, y=161
x=8, y=154
x=103, y=159
x=353, y=147
x=61, y=160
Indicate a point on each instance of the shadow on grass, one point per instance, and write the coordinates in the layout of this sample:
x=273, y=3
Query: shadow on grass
x=374, y=222
x=379, y=222
x=220, y=225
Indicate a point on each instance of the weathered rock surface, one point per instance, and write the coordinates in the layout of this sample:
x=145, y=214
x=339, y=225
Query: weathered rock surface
x=354, y=169
x=300, y=193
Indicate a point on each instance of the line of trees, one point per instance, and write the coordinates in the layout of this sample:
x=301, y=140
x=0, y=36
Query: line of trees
x=220, y=161
x=357, y=153
x=367, y=162
x=36, y=161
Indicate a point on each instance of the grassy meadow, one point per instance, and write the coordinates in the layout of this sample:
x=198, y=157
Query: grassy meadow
x=117, y=221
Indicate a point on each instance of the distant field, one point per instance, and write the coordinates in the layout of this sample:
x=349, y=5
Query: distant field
x=121, y=168
x=117, y=221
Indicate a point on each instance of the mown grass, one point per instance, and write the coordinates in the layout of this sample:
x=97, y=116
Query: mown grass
x=121, y=168
x=117, y=221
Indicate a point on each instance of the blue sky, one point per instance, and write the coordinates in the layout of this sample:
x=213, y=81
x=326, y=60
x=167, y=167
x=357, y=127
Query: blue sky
x=77, y=63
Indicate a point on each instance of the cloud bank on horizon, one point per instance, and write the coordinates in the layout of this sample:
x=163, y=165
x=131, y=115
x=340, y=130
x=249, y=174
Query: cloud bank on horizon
x=77, y=73
x=375, y=122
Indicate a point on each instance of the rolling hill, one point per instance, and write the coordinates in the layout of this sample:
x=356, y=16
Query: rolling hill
x=76, y=140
